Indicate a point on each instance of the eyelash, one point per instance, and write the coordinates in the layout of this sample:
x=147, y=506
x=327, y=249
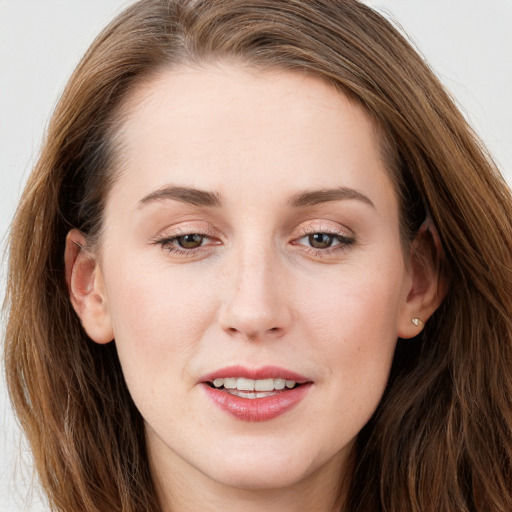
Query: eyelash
x=345, y=241
x=170, y=243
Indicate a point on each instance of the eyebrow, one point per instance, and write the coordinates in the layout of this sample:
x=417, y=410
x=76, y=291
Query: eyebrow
x=210, y=199
x=183, y=194
x=314, y=197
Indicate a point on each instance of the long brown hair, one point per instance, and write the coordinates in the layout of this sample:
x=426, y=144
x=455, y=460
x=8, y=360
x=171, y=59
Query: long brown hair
x=441, y=440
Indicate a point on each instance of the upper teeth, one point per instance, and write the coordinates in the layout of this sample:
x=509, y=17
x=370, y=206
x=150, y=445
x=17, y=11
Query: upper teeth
x=253, y=385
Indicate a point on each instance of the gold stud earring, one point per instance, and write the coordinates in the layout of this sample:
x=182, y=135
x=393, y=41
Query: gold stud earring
x=417, y=322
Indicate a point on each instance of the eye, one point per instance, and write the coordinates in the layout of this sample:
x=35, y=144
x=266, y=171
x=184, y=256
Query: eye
x=190, y=241
x=186, y=244
x=324, y=240
x=324, y=243
x=321, y=240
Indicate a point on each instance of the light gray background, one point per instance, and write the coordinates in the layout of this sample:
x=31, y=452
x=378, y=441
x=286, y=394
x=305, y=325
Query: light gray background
x=467, y=42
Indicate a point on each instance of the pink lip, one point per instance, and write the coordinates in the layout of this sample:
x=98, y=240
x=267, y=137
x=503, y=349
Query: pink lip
x=265, y=372
x=256, y=409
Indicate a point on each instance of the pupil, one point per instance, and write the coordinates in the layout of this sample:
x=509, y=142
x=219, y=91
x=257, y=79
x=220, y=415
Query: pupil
x=190, y=241
x=320, y=240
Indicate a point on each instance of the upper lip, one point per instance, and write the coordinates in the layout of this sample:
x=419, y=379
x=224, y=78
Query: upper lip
x=263, y=372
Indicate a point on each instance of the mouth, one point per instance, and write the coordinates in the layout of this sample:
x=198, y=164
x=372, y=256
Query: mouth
x=256, y=395
x=252, y=388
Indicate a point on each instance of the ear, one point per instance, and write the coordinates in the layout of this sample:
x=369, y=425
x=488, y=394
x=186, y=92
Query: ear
x=428, y=283
x=86, y=288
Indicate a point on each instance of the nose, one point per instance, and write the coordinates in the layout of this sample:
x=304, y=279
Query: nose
x=257, y=303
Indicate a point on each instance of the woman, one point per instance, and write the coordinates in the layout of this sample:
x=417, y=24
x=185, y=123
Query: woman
x=262, y=264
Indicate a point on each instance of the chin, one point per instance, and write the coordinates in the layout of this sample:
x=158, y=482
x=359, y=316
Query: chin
x=265, y=468
x=264, y=477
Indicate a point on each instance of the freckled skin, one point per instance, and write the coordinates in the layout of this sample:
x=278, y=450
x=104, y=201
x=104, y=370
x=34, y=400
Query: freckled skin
x=255, y=292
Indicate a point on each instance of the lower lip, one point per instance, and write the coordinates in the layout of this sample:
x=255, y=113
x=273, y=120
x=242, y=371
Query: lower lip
x=257, y=409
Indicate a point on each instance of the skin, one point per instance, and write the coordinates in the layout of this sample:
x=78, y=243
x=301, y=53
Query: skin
x=254, y=292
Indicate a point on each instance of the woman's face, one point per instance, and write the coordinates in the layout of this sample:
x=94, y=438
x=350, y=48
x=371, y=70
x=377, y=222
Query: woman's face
x=251, y=238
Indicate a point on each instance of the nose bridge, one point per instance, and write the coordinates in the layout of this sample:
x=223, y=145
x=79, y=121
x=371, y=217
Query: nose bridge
x=255, y=304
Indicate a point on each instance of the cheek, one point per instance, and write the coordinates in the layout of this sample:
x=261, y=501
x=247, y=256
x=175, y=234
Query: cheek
x=159, y=319
x=359, y=308
x=353, y=323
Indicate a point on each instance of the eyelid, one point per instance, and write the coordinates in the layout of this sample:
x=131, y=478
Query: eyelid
x=321, y=226
x=167, y=238
x=346, y=238
x=186, y=228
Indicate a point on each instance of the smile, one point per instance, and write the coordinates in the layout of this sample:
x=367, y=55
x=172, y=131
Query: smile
x=250, y=388
x=256, y=395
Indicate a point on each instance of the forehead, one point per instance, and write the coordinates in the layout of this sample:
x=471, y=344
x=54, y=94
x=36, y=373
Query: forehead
x=224, y=124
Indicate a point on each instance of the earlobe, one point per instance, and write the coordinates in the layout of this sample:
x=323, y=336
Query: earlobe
x=86, y=288
x=428, y=284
